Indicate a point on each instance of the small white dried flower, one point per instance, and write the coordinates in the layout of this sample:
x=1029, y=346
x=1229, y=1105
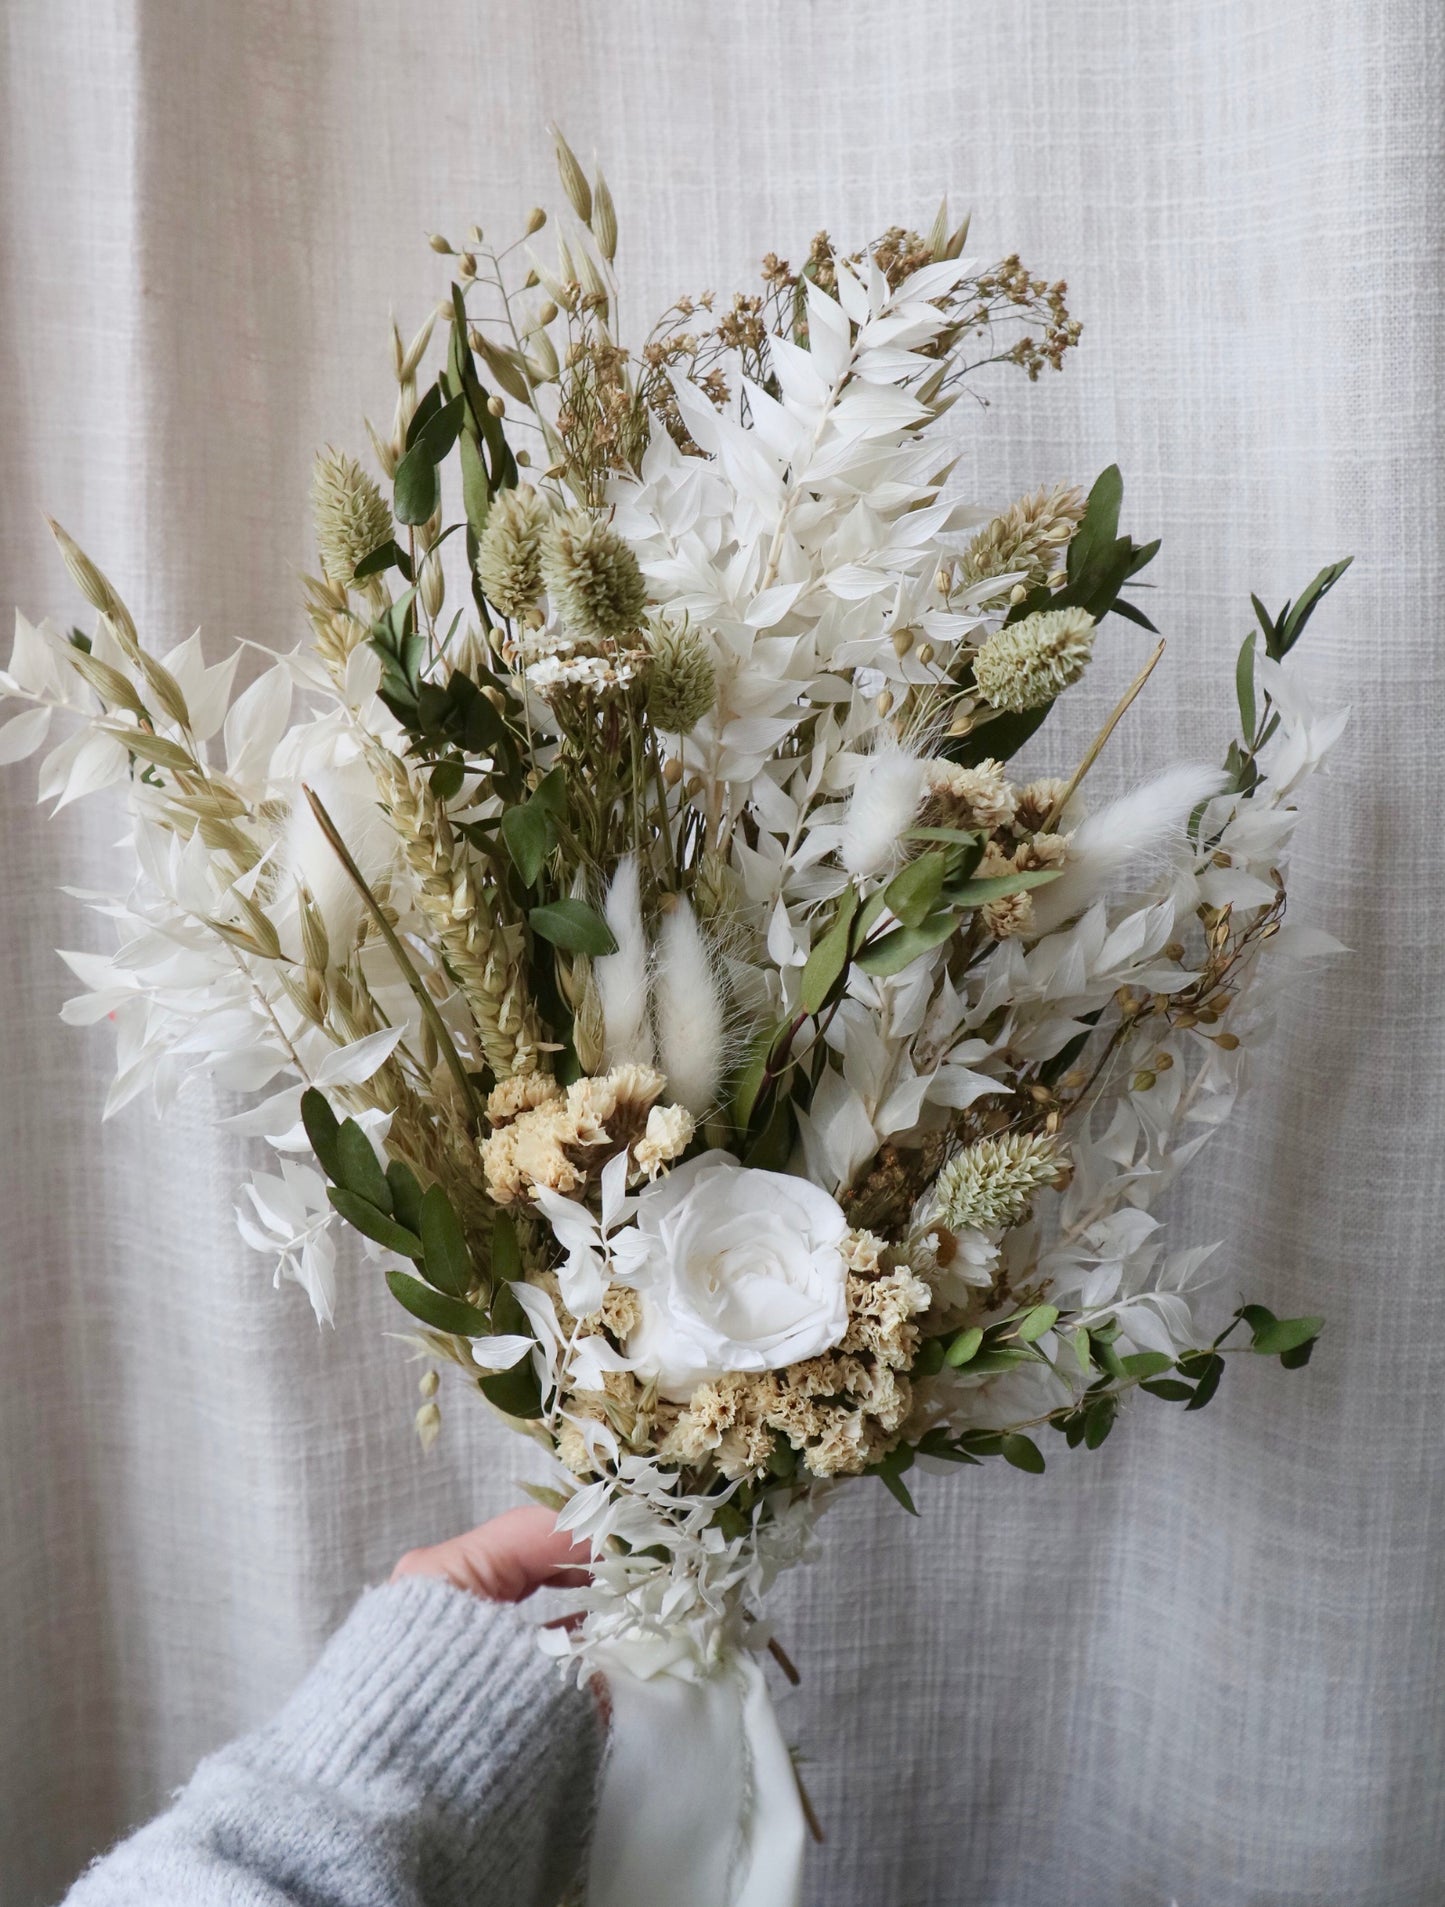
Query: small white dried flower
x=990, y=1183
x=592, y=673
x=1029, y=663
x=592, y=576
x=351, y=516
x=509, y=555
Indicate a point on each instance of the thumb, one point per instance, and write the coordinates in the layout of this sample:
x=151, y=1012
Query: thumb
x=504, y=1560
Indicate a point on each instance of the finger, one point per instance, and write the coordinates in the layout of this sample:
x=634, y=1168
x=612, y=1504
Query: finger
x=504, y=1560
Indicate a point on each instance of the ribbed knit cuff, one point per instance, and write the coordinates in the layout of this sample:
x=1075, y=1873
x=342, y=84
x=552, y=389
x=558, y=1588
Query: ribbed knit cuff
x=426, y=1688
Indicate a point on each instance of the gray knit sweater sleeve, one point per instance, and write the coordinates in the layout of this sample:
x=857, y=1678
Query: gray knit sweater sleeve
x=432, y=1758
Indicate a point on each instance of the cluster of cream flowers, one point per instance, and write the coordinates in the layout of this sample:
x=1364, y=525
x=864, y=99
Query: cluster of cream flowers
x=559, y=1137
x=839, y=1411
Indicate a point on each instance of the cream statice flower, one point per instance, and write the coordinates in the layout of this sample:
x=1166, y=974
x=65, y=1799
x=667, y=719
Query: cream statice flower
x=352, y=519
x=566, y=1136
x=592, y=577
x=1028, y=663
x=978, y=797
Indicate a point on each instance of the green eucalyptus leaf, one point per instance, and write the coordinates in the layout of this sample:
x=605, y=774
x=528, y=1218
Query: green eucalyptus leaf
x=445, y=780
x=447, y=1263
x=323, y=1129
x=372, y=1223
x=476, y=491
x=1208, y=1383
x=1147, y=1363
x=991, y=1362
x=1099, y=526
x=405, y=1194
x=964, y=1348
x=416, y=490
x=899, y=949
x=929, y=1361
x=1023, y=1453
x=1041, y=1319
x=385, y=556
x=954, y=837
x=750, y=1079
x=359, y=1170
x=1244, y=687
x=515, y=1391
x=436, y=1309
x=1099, y=1421
x=995, y=887
x=431, y=402
x=1106, y=1357
x=527, y=831
x=1292, y=621
x=912, y=893
x=1132, y=613
x=826, y=960
x=573, y=926
x=1280, y=1335
x=1170, y=1389
x=890, y=1469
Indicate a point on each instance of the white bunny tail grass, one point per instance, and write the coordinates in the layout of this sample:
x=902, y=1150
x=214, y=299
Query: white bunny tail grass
x=691, y=1018
x=1136, y=829
x=622, y=978
x=881, y=808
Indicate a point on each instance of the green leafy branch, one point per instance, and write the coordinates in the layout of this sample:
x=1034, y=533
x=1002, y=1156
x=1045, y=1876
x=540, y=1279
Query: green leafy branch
x=1259, y=719
x=1191, y=1379
x=459, y=1292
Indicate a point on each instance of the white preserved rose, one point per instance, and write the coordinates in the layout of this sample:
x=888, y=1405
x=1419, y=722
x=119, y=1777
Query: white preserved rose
x=735, y=1270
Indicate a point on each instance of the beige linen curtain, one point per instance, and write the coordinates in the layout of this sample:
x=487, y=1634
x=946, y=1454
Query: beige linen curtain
x=1203, y=1665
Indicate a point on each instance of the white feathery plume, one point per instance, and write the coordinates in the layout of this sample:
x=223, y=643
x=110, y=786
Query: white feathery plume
x=1136, y=828
x=622, y=976
x=882, y=806
x=690, y=1019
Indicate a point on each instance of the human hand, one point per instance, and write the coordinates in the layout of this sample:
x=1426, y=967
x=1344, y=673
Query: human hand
x=504, y=1560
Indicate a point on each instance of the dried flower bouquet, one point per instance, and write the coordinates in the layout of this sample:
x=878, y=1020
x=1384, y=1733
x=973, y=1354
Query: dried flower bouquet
x=744, y=1076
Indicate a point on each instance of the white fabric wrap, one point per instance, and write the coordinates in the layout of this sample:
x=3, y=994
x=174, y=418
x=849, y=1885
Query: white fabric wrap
x=699, y=1804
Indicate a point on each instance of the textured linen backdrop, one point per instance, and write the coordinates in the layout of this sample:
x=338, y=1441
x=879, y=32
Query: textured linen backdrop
x=1204, y=1664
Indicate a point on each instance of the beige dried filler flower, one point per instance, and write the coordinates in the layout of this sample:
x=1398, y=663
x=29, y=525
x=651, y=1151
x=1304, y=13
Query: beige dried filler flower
x=978, y=797
x=562, y=1138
